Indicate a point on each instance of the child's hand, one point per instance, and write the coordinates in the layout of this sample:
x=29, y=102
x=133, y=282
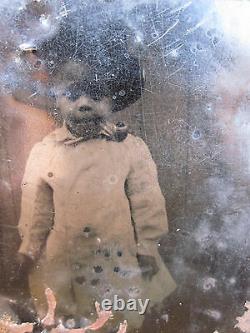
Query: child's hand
x=148, y=266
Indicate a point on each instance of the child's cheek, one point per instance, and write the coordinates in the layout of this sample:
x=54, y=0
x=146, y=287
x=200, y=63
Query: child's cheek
x=103, y=109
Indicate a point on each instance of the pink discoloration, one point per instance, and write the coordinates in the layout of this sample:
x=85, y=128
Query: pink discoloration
x=49, y=319
x=9, y=327
x=6, y=326
x=103, y=317
x=244, y=321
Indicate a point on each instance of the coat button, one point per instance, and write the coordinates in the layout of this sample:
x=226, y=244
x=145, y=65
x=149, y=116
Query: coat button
x=106, y=253
x=95, y=282
x=80, y=279
x=98, y=269
x=86, y=231
x=120, y=124
x=119, y=253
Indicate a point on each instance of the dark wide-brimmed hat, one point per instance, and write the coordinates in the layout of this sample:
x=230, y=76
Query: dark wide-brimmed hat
x=110, y=69
x=123, y=84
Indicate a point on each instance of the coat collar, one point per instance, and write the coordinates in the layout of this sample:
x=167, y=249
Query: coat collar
x=109, y=131
x=63, y=134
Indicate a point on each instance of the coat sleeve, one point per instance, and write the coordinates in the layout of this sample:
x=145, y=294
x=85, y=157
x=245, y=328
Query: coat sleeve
x=37, y=211
x=147, y=203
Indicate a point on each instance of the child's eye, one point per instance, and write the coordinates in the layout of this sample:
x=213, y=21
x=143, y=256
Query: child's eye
x=72, y=96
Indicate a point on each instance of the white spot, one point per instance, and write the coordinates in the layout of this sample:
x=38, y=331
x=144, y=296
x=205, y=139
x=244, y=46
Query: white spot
x=174, y=54
x=209, y=283
x=165, y=317
x=70, y=323
x=221, y=245
x=229, y=12
x=232, y=280
x=17, y=60
x=122, y=92
x=138, y=38
x=209, y=107
x=27, y=46
x=45, y=21
x=210, y=211
x=215, y=314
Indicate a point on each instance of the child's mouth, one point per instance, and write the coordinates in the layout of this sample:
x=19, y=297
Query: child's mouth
x=92, y=120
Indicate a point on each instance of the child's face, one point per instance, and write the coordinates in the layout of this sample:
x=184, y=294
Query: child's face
x=84, y=109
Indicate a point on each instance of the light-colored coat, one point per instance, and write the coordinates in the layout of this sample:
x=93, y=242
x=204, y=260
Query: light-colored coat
x=87, y=209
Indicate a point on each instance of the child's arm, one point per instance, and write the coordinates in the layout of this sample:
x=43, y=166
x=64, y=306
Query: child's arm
x=147, y=203
x=37, y=209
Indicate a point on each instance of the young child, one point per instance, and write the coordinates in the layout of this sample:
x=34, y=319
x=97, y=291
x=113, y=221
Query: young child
x=92, y=210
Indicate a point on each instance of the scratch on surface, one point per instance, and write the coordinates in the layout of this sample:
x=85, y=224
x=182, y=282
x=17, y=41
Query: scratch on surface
x=176, y=71
x=165, y=33
x=197, y=26
x=32, y=95
x=178, y=9
x=173, y=50
x=175, y=85
x=162, y=12
x=175, y=10
x=183, y=121
x=149, y=91
x=244, y=321
x=65, y=11
x=211, y=157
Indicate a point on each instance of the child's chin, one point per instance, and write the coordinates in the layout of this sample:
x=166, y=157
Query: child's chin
x=80, y=127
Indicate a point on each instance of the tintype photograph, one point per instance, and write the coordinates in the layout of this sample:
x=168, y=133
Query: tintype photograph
x=124, y=166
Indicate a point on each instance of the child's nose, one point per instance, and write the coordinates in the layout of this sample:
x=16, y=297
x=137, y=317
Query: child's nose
x=85, y=108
